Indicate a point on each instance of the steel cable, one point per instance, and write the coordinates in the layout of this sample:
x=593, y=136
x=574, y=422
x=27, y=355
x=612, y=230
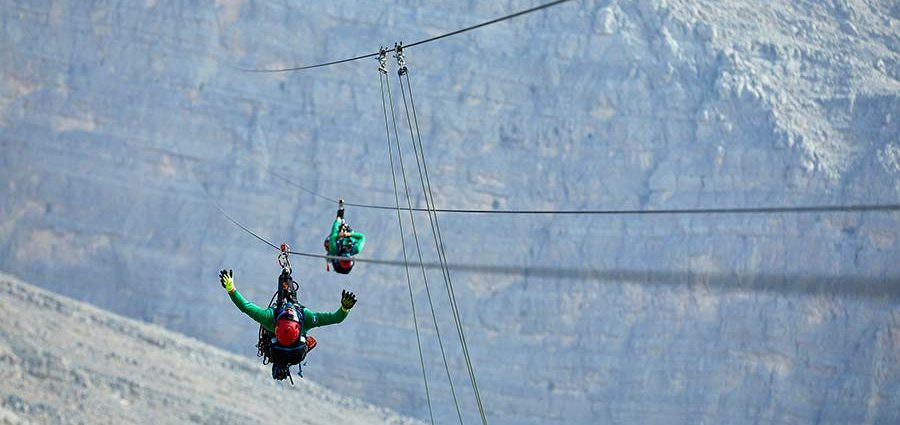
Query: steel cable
x=438, y=239
x=419, y=249
x=412, y=301
x=417, y=43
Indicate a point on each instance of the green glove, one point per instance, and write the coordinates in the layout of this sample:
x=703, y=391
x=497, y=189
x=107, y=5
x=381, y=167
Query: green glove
x=348, y=300
x=226, y=278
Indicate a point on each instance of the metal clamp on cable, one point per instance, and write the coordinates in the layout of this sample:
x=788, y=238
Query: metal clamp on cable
x=283, y=258
x=401, y=62
x=382, y=60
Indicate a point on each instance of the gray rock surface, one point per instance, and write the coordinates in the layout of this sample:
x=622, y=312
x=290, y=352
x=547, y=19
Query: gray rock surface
x=117, y=119
x=65, y=362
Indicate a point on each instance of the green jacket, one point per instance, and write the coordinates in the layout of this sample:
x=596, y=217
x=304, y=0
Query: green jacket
x=358, y=239
x=266, y=316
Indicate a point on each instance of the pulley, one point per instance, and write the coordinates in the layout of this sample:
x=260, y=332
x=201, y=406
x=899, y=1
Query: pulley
x=382, y=61
x=283, y=260
x=401, y=61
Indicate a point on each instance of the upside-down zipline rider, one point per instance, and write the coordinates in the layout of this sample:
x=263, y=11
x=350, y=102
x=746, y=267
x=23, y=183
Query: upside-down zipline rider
x=343, y=242
x=283, y=325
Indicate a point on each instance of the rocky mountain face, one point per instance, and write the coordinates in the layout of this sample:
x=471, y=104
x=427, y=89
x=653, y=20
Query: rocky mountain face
x=65, y=362
x=121, y=123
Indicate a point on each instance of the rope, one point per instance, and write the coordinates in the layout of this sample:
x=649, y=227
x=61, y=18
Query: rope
x=417, y=43
x=493, y=21
x=438, y=239
x=301, y=68
x=242, y=226
x=412, y=300
x=798, y=209
x=875, y=286
x=884, y=286
x=665, y=211
x=298, y=186
x=419, y=250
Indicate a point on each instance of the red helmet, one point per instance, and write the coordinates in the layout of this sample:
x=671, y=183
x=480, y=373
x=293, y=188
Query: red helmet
x=342, y=266
x=287, y=331
x=287, y=325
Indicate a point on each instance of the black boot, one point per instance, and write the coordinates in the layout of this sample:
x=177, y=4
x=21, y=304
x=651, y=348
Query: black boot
x=280, y=372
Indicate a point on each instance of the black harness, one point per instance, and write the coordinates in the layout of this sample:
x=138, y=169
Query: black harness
x=283, y=357
x=344, y=246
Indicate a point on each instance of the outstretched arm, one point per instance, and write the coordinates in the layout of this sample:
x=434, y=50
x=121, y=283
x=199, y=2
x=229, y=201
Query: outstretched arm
x=312, y=319
x=359, y=241
x=263, y=316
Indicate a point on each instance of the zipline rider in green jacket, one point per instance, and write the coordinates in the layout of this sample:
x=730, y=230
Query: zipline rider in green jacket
x=283, y=321
x=343, y=242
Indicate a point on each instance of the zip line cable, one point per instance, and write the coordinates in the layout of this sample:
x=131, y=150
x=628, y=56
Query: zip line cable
x=381, y=78
x=242, y=226
x=216, y=205
x=435, y=228
x=664, y=211
x=848, y=285
x=886, y=207
x=418, y=247
x=439, y=243
x=484, y=24
x=417, y=43
x=787, y=283
x=883, y=286
x=301, y=187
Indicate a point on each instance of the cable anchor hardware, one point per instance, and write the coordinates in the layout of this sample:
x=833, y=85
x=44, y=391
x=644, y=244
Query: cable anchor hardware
x=401, y=61
x=283, y=257
x=382, y=60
